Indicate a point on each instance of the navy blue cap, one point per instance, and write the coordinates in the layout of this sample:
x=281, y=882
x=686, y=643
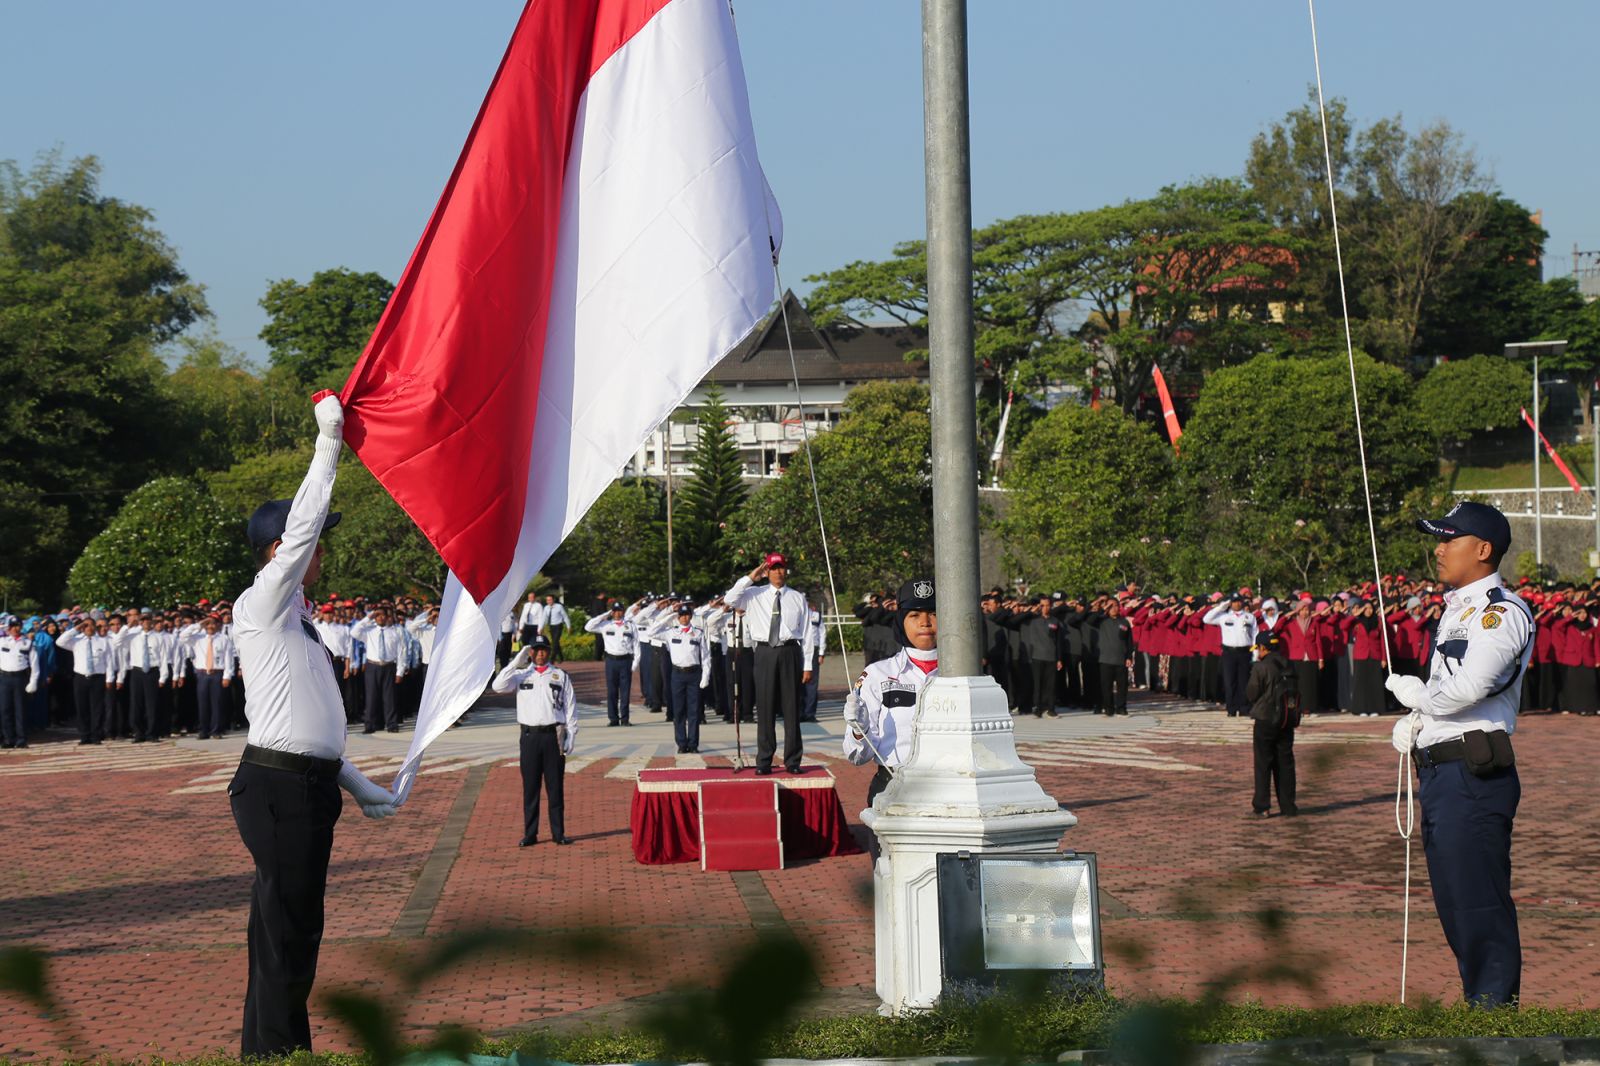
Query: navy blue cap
x=1467, y=519
x=540, y=641
x=267, y=524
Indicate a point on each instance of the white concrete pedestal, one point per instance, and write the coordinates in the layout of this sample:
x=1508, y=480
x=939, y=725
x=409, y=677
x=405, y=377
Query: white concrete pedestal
x=963, y=789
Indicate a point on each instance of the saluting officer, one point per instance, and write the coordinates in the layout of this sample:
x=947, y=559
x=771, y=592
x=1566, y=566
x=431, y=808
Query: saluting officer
x=19, y=678
x=285, y=795
x=1459, y=737
x=690, y=663
x=547, y=714
x=619, y=639
x=146, y=660
x=779, y=621
x=880, y=711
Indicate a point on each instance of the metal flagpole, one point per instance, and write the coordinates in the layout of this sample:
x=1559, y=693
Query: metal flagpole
x=947, y=162
x=1538, y=497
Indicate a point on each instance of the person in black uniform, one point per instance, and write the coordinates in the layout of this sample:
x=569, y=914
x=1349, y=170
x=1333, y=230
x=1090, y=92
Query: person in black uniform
x=285, y=795
x=996, y=652
x=1113, y=641
x=1040, y=647
x=1274, y=700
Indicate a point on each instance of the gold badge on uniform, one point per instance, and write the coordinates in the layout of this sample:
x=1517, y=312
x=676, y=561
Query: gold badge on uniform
x=1491, y=621
x=1468, y=613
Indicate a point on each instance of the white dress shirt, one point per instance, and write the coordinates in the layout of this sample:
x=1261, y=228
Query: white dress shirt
x=532, y=615
x=544, y=696
x=757, y=602
x=889, y=691
x=1476, y=664
x=336, y=638
x=144, y=649
x=19, y=656
x=220, y=649
x=91, y=655
x=423, y=630
x=620, y=636
x=291, y=697
x=384, y=644
x=1238, y=627
x=556, y=615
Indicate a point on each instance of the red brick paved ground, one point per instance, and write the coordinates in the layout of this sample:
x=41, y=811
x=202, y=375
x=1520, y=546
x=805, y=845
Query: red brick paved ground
x=140, y=894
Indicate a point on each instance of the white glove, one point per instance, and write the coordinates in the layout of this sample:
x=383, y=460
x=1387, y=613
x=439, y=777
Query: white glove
x=33, y=687
x=330, y=415
x=375, y=800
x=1410, y=691
x=524, y=657
x=852, y=710
x=1405, y=732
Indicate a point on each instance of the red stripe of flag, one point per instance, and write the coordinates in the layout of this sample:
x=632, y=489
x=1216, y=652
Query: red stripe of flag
x=441, y=406
x=1551, y=452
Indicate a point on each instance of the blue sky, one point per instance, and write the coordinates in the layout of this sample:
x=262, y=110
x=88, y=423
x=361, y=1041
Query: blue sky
x=275, y=140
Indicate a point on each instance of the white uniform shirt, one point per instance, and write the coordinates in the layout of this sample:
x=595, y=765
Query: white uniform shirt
x=144, y=649
x=423, y=630
x=687, y=648
x=1238, y=627
x=91, y=655
x=620, y=636
x=532, y=615
x=544, y=696
x=220, y=647
x=291, y=697
x=1485, y=641
x=384, y=644
x=819, y=639
x=19, y=656
x=556, y=615
x=645, y=619
x=757, y=603
x=890, y=691
x=335, y=637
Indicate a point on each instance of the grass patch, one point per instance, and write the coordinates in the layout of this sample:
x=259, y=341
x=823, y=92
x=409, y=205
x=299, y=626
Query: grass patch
x=1040, y=1030
x=1578, y=457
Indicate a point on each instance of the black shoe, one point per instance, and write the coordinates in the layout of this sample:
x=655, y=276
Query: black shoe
x=763, y=773
x=793, y=770
x=1038, y=714
x=1052, y=713
x=136, y=740
x=394, y=729
x=1258, y=814
x=81, y=743
x=682, y=750
x=562, y=840
x=626, y=722
x=202, y=736
x=6, y=746
x=23, y=744
x=368, y=732
x=527, y=842
x=610, y=724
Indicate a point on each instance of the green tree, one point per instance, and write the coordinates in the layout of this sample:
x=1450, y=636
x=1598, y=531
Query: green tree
x=318, y=329
x=1467, y=396
x=1494, y=295
x=225, y=411
x=171, y=542
x=709, y=500
x=88, y=289
x=1089, y=501
x=1269, y=471
x=619, y=548
x=873, y=476
x=1563, y=315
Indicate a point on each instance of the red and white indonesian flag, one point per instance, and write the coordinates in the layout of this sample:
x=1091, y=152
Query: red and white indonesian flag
x=606, y=237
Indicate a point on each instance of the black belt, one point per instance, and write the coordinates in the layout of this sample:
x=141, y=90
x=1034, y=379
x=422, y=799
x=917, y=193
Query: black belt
x=537, y=729
x=1442, y=752
x=695, y=669
x=780, y=644
x=17, y=673
x=624, y=656
x=291, y=761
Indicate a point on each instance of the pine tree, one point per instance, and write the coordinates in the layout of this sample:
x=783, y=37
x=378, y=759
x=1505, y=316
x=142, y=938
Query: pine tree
x=709, y=500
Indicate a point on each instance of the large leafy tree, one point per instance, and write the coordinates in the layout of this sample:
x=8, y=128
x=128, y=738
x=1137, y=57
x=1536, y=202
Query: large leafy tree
x=1269, y=480
x=1089, y=501
x=1564, y=315
x=709, y=500
x=226, y=411
x=619, y=548
x=88, y=289
x=873, y=477
x=1494, y=295
x=171, y=542
x=319, y=328
x=1468, y=396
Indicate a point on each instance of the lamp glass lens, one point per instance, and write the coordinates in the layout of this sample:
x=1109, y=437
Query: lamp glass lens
x=1037, y=915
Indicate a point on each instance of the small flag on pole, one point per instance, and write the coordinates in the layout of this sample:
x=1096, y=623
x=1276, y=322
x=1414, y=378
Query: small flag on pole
x=1168, y=412
x=1551, y=452
x=606, y=237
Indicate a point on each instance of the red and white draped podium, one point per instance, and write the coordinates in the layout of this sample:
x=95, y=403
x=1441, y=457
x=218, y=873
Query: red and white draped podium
x=666, y=816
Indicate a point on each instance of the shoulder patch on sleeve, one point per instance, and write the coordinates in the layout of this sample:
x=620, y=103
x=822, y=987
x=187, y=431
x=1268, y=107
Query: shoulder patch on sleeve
x=1490, y=620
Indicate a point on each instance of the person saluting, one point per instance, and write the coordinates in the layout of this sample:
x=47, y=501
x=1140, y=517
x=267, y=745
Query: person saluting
x=285, y=794
x=1459, y=737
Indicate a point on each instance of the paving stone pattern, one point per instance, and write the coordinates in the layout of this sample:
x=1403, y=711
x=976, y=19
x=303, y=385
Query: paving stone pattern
x=124, y=864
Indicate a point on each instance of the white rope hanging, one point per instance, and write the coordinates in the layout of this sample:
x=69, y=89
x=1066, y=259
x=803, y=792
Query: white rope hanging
x=1404, y=778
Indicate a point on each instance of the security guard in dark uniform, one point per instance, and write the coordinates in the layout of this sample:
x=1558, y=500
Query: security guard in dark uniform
x=618, y=640
x=547, y=718
x=1459, y=737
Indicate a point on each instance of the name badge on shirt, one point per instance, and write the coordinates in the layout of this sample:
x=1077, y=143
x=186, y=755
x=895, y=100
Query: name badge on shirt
x=897, y=695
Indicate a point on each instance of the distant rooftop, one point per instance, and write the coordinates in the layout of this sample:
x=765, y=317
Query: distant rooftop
x=840, y=352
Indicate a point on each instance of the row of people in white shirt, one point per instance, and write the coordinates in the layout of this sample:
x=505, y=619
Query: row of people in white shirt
x=652, y=622
x=363, y=640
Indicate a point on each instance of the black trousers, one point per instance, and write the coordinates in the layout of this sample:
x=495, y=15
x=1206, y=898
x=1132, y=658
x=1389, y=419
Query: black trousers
x=555, y=642
x=117, y=711
x=502, y=650
x=744, y=679
x=1308, y=683
x=1235, y=675
x=13, y=707
x=1466, y=835
x=1042, y=681
x=1021, y=685
x=1274, y=752
x=619, y=687
x=381, y=709
x=286, y=821
x=719, y=683
x=89, y=693
x=683, y=694
x=542, y=761
x=144, y=687
x=777, y=691
x=647, y=676
x=214, y=707
x=1113, y=688
x=528, y=633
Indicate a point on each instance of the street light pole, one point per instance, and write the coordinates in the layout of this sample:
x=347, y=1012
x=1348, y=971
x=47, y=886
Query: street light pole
x=1536, y=349
x=950, y=372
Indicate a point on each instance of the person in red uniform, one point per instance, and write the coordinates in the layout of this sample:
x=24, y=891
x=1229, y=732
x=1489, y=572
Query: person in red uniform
x=1304, y=647
x=1573, y=645
x=1367, y=659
